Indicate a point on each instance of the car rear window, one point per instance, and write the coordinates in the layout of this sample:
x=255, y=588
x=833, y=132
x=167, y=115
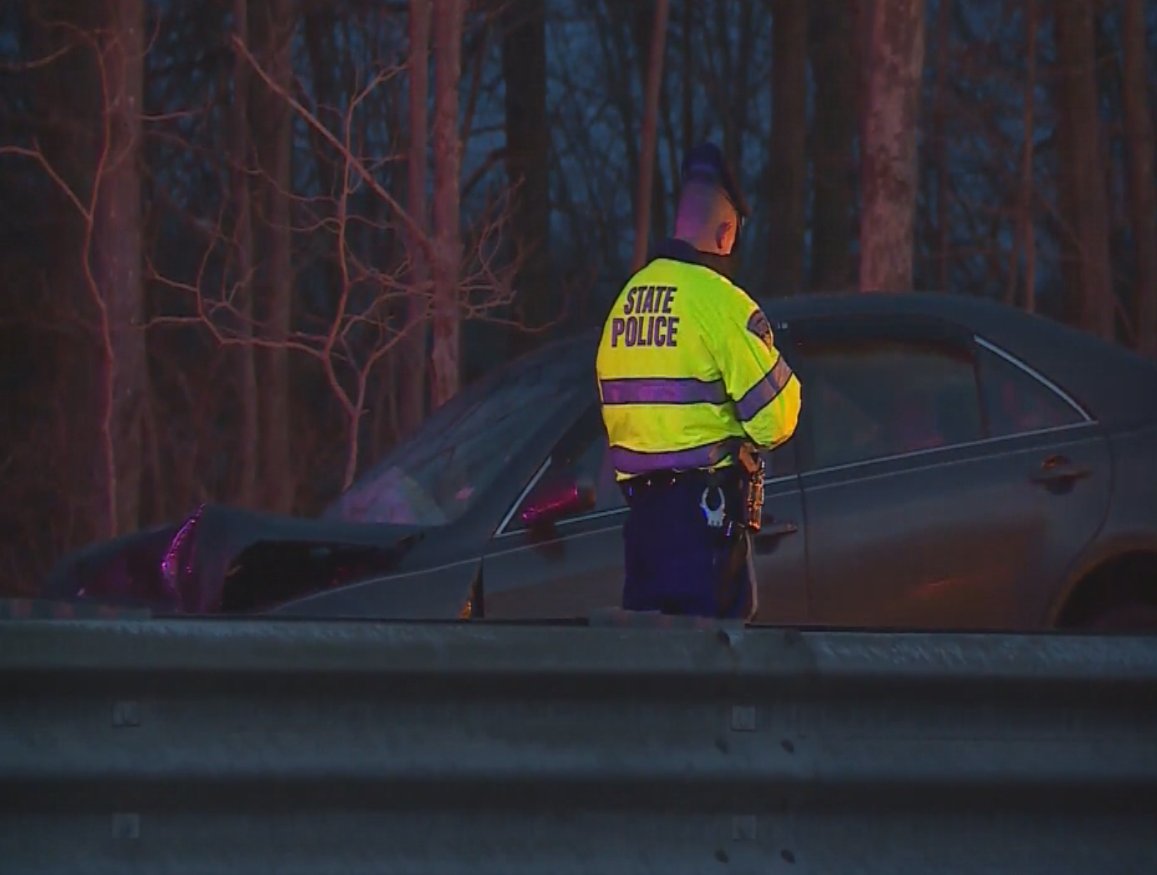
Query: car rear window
x=869, y=399
x=1016, y=402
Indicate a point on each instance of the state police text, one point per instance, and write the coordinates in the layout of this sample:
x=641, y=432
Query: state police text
x=646, y=319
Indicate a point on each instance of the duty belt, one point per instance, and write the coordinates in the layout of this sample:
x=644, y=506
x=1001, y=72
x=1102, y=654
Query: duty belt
x=744, y=478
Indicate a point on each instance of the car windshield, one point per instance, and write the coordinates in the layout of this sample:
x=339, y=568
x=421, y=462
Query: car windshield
x=462, y=449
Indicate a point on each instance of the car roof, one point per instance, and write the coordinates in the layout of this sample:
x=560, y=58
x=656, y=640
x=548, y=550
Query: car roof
x=977, y=313
x=1117, y=386
x=818, y=304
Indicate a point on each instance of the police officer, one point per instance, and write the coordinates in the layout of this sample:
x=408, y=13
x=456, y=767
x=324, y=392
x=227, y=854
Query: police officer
x=690, y=378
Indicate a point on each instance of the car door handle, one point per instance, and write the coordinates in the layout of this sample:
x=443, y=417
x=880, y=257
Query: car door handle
x=773, y=530
x=1058, y=469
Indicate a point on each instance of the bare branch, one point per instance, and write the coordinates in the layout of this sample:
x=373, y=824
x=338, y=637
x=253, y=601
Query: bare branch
x=38, y=156
x=312, y=120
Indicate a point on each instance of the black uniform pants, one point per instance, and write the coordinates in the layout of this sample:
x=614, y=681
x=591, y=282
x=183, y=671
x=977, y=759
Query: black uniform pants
x=677, y=561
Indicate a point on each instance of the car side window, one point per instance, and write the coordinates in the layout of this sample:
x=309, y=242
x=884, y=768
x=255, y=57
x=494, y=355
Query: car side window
x=583, y=454
x=871, y=398
x=1016, y=402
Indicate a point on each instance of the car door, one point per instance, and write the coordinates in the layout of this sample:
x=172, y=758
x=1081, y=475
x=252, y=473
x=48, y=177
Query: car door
x=919, y=515
x=574, y=566
x=1058, y=465
x=779, y=548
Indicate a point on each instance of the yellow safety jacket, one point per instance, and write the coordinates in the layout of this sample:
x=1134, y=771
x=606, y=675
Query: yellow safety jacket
x=687, y=367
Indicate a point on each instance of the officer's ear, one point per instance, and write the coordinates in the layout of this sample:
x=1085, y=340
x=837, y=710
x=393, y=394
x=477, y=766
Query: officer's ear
x=725, y=236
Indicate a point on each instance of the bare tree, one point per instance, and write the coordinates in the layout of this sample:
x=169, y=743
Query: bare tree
x=649, y=136
x=1085, y=198
x=787, y=176
x=272, y=26
x=1027, y=226
x=833, y=154
x=1142, y=194
x=411, y=382
x=248, y=440
x=687, y=83
x=361, y=331
x=108, y=204
x=528, y=158
x=446, y=359
x=935, y=165
x=117, y=262
x=642, y=30
x=889, y=169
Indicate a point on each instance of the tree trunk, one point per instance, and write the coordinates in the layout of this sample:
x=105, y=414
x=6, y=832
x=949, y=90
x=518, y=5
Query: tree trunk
x=528, y=163
x=1086, y=209
x=70, y=88
x=246, y=354
x=611, y=23
x=860, y=12
x=116, y=258
x=411, y=364
x=889, y=169
x=642, y=30
x=1027, y=228
x=787, y=174
x=688, y=83
x=448, y=15
x=1142, y=196
x=938, y=157
x=272, y=24
x=649, y=136
x=741, y=102
x=834, y=133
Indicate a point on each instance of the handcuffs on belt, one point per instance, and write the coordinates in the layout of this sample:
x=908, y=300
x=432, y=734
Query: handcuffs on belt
x=752, y=465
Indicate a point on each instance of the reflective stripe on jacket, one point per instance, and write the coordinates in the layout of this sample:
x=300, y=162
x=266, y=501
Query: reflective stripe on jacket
x=687, y=365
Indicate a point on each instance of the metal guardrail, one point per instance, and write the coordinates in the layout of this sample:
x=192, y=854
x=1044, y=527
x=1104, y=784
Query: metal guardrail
x=308, y=747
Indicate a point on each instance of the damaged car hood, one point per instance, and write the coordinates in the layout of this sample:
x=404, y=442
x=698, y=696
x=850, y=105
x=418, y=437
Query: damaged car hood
x=223, y=559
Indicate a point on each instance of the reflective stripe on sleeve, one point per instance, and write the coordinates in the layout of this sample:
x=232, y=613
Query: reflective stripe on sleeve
x=763, y=392
x=632, y=462
x=662, y=390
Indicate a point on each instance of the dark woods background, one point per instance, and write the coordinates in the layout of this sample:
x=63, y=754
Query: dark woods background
x=248, y=244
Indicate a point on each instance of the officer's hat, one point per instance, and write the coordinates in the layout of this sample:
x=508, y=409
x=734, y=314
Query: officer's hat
x=704, y=163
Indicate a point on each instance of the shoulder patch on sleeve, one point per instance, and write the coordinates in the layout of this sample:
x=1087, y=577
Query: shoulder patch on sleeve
x=758, y=325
